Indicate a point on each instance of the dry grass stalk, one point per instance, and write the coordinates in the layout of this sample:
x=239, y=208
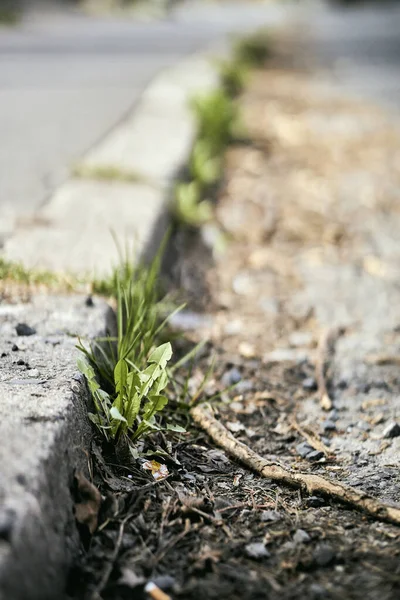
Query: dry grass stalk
x=325, y=354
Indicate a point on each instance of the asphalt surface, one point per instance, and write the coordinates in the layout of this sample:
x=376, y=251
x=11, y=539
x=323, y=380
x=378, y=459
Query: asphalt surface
x=66, y=79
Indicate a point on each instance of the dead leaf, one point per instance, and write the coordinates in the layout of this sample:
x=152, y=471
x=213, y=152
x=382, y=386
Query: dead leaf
x=158, y=470
x=87, y=510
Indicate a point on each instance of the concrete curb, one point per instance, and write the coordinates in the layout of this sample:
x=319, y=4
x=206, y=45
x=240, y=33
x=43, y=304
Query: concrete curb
x=43, y=420
x=72, y=232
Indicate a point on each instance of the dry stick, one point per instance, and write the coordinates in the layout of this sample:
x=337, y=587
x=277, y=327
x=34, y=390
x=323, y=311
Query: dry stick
x=312, y=483
x=325, y=352
x=96, y=594
x=312, y=437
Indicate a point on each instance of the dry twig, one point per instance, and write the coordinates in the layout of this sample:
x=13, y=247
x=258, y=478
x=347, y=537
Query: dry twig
x=314, y=484
x=325, y=354
x=311, y=437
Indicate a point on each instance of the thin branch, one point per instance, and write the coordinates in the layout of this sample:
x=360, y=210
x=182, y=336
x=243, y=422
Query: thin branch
x=314, y=484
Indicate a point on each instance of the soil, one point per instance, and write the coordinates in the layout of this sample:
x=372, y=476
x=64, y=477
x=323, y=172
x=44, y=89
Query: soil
x=306, y=246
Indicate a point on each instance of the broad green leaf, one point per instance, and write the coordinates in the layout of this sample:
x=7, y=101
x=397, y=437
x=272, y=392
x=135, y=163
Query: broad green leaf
x=161, y=383
x=82, y=366
x=115, y=414
x=120, y=376
x=161, y=355
x=176, y=428
x=133, y=408
x=154, y=404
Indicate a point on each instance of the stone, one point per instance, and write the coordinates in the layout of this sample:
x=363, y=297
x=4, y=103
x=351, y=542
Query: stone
x=363, y=426
x=328, y=425
x=303, y=449
x=164, y=582
x=310, y=384
x=244, y=386
x=315, y=455
x=256, y=551
x=23, y=329
x=33, y=373
x=315, y=502
x=392, y=430
x=270, y=516
x=324, y=555
x=231, y=377
x=301, y=537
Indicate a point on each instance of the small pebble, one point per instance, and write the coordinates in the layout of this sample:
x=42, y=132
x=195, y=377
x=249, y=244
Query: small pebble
x=270, y=516
x=317, y=591
x=315, y=501
x=23, y=329
x=324, y=555
x=303, y=449
x=33, y=373
x=14, y=348
x=343, y=384
x=20, y=362
x=231, y=377
x=363, y=426
x=301, y=537
x=164, y=582
x=315, y=455
x=333, y=415
x=257, y=550
x=309, y=383
x=89, y=302
x=246, y=350
x=233, y=327
x=328, y=425
x=392, y=430
x=7, y=521
x=300, y=338
x=244, y=386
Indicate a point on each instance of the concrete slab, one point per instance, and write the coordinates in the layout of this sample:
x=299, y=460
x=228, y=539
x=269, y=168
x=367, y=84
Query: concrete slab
x=154, y=143
x=45, y=435
x=72, y=232
x=76, y=229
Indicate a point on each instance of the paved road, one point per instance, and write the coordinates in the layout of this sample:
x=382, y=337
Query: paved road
x=66, y=79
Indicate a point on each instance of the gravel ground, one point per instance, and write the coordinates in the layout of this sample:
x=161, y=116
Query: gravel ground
x=300, y=306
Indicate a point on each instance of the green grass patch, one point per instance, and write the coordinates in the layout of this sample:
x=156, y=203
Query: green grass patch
x=128, y=374
x=11, y=271
x=253, y=50
x=233, y=76
x=107, y=173
x=8, y=16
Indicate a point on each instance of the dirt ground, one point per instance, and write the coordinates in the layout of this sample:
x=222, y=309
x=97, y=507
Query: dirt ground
x=306, y=250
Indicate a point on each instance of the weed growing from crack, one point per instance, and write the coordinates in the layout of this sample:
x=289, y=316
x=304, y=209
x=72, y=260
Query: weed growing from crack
x=254, y=50
x=127, y=374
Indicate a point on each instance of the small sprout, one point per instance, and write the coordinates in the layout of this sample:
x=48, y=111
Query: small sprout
x=205, y=167
x=188, y=206
x=253, y=50
x=233, y=75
